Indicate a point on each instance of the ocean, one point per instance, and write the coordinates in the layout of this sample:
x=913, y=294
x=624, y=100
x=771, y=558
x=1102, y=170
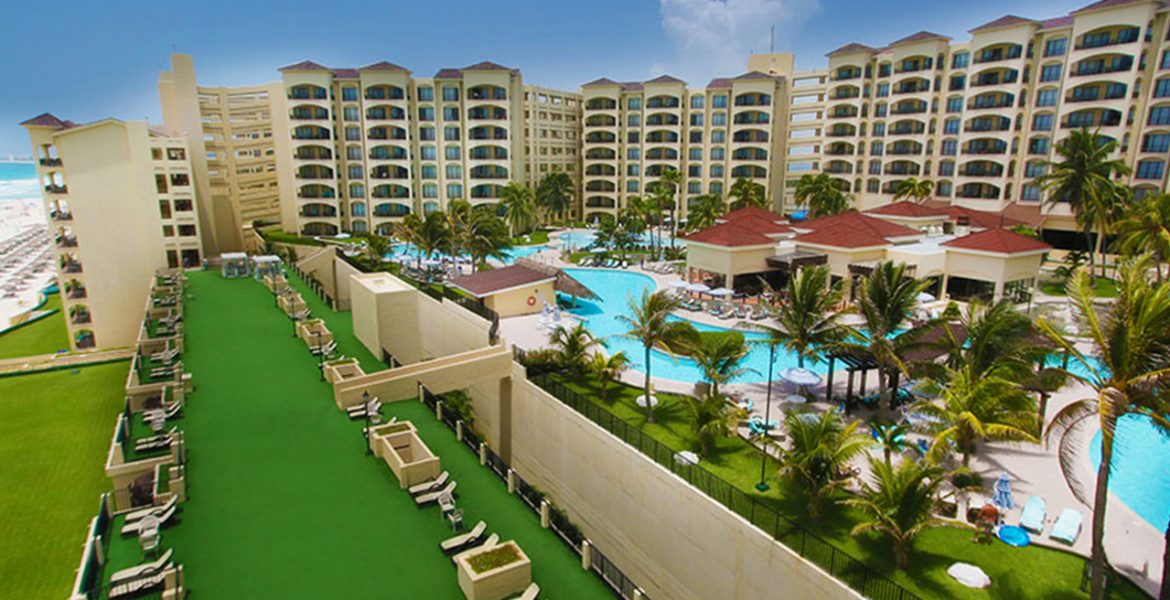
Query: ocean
x=18, y=181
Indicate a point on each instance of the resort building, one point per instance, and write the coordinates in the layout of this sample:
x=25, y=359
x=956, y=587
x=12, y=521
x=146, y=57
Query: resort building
x=552, y=128
x=633, y=131
x=233, y=153
x=982, y=117
x=120, y=199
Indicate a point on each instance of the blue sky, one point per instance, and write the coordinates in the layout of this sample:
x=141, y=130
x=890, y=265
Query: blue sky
x=86, y=60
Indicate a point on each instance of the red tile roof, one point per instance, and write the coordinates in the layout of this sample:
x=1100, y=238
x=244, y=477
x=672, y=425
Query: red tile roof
x=599, y=82
x=486, y=283
x=982, y=219
x=755, y=75
x=304, y=65
x=487, y=65
x=1057, y=22
x=1104, y=4
x=729, y=235
x=346, y=73
x=918, y=37
x=998, y=241
x=720, y=82
x=631, y=86
x=850, y=48
x=384, y=66
x=449, y=74
x=47, y=120
x=857, y=220
x=842, y=237
x=751, y=211
x=907, y=209
x=1005, y=21
x=666, y=79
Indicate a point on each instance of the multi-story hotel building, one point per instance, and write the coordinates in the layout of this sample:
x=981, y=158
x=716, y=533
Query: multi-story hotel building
x=120, y=198
x=233, y=152
x=632, y=132
x=552, y=128
x=981, y=118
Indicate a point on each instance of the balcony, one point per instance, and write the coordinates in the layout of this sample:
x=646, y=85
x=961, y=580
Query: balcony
x=1124, y=36
x=982, y=171
x=1095, y=95
x=991, y=103
x=75, y=291
x=839, y=151
x=81, y=317
x=311, y=135
x=1120, y=64
x=903, y=170
x=61, y=215
x=50, y=162
x=998, y=54
x=1111, y=119
x=912, y=88
x=994, y=79
x=906, y=130
x=57, y=189
x=68, y=266
x=66, y=241
x=308, y=212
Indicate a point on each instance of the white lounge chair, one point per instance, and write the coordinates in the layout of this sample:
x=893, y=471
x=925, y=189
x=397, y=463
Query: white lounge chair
x=1033, y=515
x=430, y=486
x=1068, y=526
x=359, y=411
x=153, y=510
x=132, y=527
x=156, y=442
x=134, y=586
x=531, y=593
x=452, y=544
x=142, y=570
x=434, y=496
x=490, y=542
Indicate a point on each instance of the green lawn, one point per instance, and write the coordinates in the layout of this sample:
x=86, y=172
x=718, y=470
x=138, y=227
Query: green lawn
x=44, y=336
x=1105, y=288
x=284, y=502
x=55, y=429
x=1019, y=573
x=539, y=236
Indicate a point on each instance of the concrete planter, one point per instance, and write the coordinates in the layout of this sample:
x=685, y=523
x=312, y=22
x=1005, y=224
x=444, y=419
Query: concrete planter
x=340, y=370
x=495, y=584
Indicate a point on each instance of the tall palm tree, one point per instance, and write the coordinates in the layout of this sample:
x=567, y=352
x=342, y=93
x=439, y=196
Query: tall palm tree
x=1084, y=177
x=920, y=190
x=821, y=194
x=376, y=248
x=806, y=319
x=485, y=236
x=1132, y=344
x=458, y=217
x=885, y=300
x=712, y=418
x=519, y=204
x=607, y=368
x=898, y=503
x=890, y=437
x=649, y=324
x=434, y=236
x=670, y=184
x=1146, y=230
x=704, y=210
x=555, y=193
x=719, y=358
x=975, y=408
x=818, y=455
x=747, y=193
x=409, y=230
x=571, y=347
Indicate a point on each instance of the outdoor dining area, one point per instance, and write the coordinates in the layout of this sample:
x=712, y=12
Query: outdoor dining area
x=721, y=303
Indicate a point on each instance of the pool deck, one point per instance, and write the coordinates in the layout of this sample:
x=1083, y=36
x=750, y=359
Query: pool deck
x=1134, y=546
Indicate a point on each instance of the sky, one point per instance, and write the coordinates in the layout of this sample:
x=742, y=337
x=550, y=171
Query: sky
x=85, y=60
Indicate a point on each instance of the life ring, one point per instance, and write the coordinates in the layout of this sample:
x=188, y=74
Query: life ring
x=532, y=301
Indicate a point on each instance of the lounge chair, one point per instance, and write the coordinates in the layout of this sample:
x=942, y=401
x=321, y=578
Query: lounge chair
x=727, y=313
x=1068, y=526
x=361, y=411
x=758, y=427
x=1033, y=515
x=141, y=584
x=327, y=349
x=156, y=442
x=431, y=497
x=132, y=527
x=490, y=542
x=530, y=593
x=153, y=510
x=143, y=569
x=456, y=543
x=166, y=356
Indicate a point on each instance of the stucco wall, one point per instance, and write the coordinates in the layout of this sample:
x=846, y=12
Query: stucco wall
x=515, y=302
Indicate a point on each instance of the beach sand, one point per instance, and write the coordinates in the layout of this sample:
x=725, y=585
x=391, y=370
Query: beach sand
x=19, y=218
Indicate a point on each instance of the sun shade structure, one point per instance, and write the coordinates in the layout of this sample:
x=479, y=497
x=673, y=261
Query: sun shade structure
x=496, y=281
x=565, y=283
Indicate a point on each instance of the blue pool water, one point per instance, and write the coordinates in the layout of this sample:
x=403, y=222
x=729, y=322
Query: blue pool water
x=408, y=251
x=614, y=288
x=579, y=238
x=1141, y=460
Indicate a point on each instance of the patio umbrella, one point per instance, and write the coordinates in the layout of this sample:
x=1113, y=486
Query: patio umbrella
x=721, y=292
x=678, y=284
x=925, y=297
x=599, y=250
x=1003, y=492
x=698, y=287
x=800, y=376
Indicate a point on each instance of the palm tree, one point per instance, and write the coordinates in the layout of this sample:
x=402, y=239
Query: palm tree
x=669, y=184
x=704, y=210
x=747, y=193
x=886, y=299
x=891, y=437
x=898, y=504
x=572, y=347
x=458, y=217
x=974, y=408
x=519, y=203
x=409, y=230
x=920, y=190
x=485, y=236
x=607, y=368
x=376, y=248
x=1084, y=177
x=711, y=418
x=555, y=192
x=806, y=319
x=1132, y=345
x=434, y=235
x=649, y=324
x=719, y=358
x=1146, y=230
x=819, y=453
x=821, y=194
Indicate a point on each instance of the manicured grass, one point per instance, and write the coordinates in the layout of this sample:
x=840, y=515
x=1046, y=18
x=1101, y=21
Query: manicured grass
x=55, y=429
x=1105, y=288
x=283, y=237
x=285, y=503
x=339, y=323
x=536, y=237
x=1019, y=573
x=44, y=336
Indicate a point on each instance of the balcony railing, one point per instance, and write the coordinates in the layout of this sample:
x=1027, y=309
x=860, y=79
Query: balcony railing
x=61, y=216
x=324, y=135
x=71, y=267
x=50, y=162
x=1125, y=36
x=81, y=318
x=981, y=171
x=1102, y=68
x=57, y=189
x=67, y=241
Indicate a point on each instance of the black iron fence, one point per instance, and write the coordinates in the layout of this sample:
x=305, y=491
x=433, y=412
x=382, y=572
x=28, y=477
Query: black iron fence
x=533, y=498
x=846, y=568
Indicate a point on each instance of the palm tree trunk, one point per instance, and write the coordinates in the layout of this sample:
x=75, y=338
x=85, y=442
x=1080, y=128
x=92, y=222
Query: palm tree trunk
x=1100, y=502
x=1100, y=250
x=646, y=389
x=1092, y=255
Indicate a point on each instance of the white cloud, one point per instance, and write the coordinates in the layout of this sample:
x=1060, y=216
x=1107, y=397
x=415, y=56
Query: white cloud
x=712, y=38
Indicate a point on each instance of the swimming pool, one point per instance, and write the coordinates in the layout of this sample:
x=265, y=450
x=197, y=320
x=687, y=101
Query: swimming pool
x=1141, y=459
x=406, y=251
x=615, y=287
x=582, y=238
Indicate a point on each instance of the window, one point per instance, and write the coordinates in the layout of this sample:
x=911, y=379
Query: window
x=634, y=104
x=357, y=190
x=718, y=136
x=451, y=134
x=633, y=170
x=946, y=169
x=450, y=113
x=353, y=133
x=883, y=90
x=1042, y=122
x=949, y=147
x=454, y=190
x=429, y=172
x=454, y=172
x=430, y=190
x=717, y=154
x=960, y=60
x=695, y=154
x=716, y=170
x=879, y=129
x=951, y=126
x=716, y=187
x=426, y=113
x=633, y=153
x=353, y=152
x=696, y=102
x=451, y=152
x=426, y=94
x=695, y=171
x=1050, y=72
x=358, y=209
x=351, y=113
x=696, y=137
x=355, y=171
x=1038, y=145
x=697, y=119
x=1055, y=47
x=426, y=134
x=877, y=149
x=1156, y=142
x=160, y=183
x=1034, y=169
x=633, y=137
x=694, y=187
x=1030, y=193
x=719, y=102
x=719, y=119
x=632, y=187
x=634, y=120
x=450, y=94
x=879, y=110
x=349, y=94
x=1165, y=64
x=427, y=153
x=1159, y=115
x=186, y=230
x=1150, y=169
x=958, y=82
x=955, y=104
x=1162, y=88
x=1047, y=97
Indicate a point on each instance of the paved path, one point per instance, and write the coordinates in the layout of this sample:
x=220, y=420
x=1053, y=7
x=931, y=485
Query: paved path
x=32, y=364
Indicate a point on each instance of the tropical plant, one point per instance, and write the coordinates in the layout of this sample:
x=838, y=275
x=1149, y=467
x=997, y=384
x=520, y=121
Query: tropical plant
x=1146, y=230
x=821, y=194
x=747, y=193
x=376, y=248
x=669, y=184
x=1084, y=178
x=712, y=417
x=519, y=204
x=554, y=193
x=919, y=190
x=572, y=347
x=818, y=454
x=459, y=402
x=898, y=503
x=607, y=368
x=649, y=324
x=434, y=235
x=409, y=230
x=485, y=236
x=806, y=319
x=1072, y=262
x=974, y=408
x=890, y=437
x=1132, y=347
x=719, y=358
x=989, y=340
x=704, y=210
